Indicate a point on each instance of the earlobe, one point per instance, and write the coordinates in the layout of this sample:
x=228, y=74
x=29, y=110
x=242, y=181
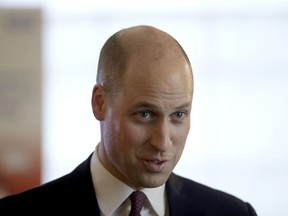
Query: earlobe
x=98, y=102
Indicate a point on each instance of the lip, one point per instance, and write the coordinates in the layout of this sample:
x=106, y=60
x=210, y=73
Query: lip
x=155, y=165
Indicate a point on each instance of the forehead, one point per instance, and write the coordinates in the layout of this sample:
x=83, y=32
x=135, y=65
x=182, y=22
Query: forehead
x=161, y=82
x=170, y=72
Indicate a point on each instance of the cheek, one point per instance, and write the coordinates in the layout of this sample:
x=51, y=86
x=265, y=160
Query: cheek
x=186, y=130
x=179, y=137
x=132, y=135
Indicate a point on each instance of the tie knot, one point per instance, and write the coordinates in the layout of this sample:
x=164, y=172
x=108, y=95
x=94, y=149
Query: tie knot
x=137, y=201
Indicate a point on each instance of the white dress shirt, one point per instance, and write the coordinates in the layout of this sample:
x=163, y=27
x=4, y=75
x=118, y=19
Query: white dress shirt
x=113, y=195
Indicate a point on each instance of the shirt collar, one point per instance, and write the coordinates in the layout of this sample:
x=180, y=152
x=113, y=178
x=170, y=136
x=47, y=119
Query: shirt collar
x=106, y=184
x=156, y=197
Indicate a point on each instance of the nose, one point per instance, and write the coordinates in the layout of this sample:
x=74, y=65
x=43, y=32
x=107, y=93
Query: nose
x=161, y=136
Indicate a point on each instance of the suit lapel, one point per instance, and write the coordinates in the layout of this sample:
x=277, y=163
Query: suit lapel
x=80, y=191
x=179, y=200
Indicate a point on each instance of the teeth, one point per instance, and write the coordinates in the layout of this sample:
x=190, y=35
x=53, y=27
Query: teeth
x=155, y=161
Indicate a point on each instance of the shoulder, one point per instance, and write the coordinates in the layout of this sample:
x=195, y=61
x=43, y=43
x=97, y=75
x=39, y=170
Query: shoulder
x=61, y=193
x=34, y=197
x=204, y=200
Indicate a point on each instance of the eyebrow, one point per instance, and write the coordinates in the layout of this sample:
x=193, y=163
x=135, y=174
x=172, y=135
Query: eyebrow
x=154, y=107
x=184, y=106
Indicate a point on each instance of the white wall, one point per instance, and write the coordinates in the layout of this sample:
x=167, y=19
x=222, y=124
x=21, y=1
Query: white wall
x=238, y=140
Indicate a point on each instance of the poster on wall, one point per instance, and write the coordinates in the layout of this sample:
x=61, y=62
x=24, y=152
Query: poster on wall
x=20, y=99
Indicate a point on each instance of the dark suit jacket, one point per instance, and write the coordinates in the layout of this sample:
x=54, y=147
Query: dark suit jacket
x=73, y=194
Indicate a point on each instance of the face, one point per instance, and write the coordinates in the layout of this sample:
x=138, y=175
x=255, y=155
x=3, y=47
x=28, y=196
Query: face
x=144, y=128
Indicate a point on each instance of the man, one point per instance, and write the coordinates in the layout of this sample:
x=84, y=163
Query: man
x=143, y=100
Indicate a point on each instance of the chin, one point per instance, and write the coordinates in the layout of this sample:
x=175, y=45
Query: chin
x=154, y=185
x=154, y=182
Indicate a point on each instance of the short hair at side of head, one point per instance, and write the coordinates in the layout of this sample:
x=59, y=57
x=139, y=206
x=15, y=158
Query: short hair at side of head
x=112, y=62
x=115, y=53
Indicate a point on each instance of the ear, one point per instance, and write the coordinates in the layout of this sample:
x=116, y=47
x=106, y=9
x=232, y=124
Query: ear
x=99, y=102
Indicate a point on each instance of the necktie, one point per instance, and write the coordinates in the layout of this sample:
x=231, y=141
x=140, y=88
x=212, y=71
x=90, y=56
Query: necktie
x=137, y=200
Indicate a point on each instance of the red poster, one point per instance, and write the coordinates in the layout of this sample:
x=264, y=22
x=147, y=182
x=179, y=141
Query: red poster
x=20, y=99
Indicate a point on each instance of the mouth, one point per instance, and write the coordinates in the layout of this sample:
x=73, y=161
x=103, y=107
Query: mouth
x=155, y=166
x=156, y=161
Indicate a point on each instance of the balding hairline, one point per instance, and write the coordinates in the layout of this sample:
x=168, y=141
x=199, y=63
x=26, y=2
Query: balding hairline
x=118, y=49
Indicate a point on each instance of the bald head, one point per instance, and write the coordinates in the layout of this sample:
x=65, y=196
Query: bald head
x=141, y=43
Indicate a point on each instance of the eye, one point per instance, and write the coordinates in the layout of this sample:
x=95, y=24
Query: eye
x=178, y=116
x=144, y=114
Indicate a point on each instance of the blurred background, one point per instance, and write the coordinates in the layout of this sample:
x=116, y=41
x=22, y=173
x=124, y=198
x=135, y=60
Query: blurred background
x=239, y=53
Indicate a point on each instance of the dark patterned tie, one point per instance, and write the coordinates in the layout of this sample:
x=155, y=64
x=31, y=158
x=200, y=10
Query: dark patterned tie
x=137, y=200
